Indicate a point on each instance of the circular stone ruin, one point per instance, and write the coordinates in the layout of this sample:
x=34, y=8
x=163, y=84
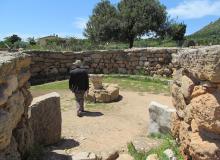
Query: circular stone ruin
x=99, y=92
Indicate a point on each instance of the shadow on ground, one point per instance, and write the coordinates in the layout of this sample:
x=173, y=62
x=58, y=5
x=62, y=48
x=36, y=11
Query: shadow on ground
x=57, y=151
x=92, y=114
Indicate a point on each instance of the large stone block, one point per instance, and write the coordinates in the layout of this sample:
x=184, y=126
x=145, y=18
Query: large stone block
x=10, y=118
x=10, y=152
x=5, y=129
x=160, y=118
x=205, y=109
x=203, y=62
x=46, y=119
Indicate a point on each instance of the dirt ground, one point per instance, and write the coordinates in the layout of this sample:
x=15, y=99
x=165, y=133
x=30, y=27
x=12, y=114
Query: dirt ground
x=107, y=127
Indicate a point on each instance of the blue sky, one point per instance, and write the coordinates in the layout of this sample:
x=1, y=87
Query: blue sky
x=29, y=18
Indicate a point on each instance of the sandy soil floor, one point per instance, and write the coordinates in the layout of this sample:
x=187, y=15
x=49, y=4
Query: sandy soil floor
x=105, y=127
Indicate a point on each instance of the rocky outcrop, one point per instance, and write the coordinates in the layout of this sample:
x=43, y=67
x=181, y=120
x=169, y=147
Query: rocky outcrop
x=46, y=119
x=15, y=97
x=196, y=96
x=49, y=66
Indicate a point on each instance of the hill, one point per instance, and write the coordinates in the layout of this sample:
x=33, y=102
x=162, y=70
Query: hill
x=208, y=34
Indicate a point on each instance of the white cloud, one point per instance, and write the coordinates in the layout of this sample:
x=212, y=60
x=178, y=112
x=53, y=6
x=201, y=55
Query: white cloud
x=192, y=9
x=80, y=23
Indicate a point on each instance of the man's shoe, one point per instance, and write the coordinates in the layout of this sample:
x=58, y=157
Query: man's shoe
x=79, y=114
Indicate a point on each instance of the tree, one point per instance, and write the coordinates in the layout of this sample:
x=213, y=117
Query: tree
x=103, y=25
x=177, y=31
x=139, y=17
x=12, y=39
x=126, y=21
x=32, y=41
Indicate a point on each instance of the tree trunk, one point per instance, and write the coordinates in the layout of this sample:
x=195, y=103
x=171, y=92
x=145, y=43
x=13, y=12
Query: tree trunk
x=131, y=42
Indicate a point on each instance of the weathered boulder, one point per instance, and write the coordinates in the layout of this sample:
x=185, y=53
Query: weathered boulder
x=46, y=119
x=203, y=62
x=196, y=96
x=5, y=128
x=178, y=100
x=187, y=86
x=202, y=148
x=9, y=119
x=160, y=118
x=15, y=136
x=10, y=152
x=205, y=110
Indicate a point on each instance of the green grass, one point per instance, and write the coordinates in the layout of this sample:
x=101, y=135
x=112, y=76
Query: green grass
x=58, y=85
x=168, y=143
x=135, y=83
x=139, y=83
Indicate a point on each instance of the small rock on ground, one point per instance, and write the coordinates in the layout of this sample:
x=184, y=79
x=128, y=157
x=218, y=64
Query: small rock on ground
x=125, y=157
x=112, y=155
x=152, y=157
x=170, y=154
x=145, y=144
x=84, y=156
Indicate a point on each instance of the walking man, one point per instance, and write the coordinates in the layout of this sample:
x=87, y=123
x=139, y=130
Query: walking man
x=79, y=85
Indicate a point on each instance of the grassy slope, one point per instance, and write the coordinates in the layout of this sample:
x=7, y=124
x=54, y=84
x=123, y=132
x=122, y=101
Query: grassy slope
x=210, y=33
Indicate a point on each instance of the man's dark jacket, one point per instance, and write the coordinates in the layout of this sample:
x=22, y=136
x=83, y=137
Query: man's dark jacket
x=79, y=80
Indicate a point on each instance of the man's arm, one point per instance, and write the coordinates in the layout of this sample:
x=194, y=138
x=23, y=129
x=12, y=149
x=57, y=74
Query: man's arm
x=87, y=81
x=71, y=82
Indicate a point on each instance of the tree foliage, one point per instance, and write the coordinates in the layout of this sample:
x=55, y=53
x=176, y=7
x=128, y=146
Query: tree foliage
x=139, y=17
x=12, y=39
x=126, y=21
x=177, y=31
x=32, y=41
x=103, y=24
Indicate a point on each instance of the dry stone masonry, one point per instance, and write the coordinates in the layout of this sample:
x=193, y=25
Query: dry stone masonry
x=196, y=96
x=99, y=92
x=19, y=131
x=15, y=130
x=50, y=66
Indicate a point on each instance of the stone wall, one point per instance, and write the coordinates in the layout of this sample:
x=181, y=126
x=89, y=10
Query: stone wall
x=49, y=66
x=21, y=126
x=196, y=96
x=15, y=131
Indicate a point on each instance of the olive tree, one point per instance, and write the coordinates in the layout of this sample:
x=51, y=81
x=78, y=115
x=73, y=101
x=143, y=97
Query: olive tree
x=103, y=25
x=139, y=17
x=126, y=21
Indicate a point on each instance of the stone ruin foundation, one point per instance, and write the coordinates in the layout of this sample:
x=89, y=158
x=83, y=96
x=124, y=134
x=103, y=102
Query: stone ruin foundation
x=22, y=125
x=196, y=97
x=100, y=92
